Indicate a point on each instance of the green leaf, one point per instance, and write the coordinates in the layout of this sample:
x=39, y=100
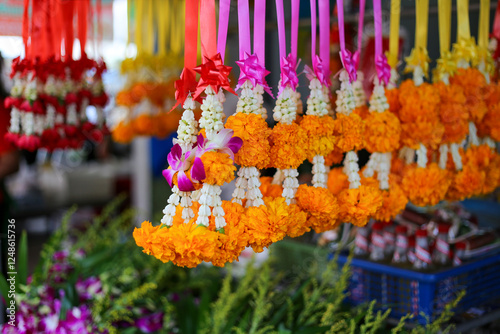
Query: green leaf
x=312, y=330
x=4, y=289
x=22, y=260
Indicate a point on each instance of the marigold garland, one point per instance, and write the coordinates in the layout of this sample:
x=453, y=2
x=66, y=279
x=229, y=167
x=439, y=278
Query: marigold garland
x=429, y=134
x=219, y=168
x=267, y=223
x=123, y=133
x=466, y=183
x=490, y=125
x=335, y=157
x=270, y=189
x=453, y=113
x=349, y=131
x=319, y=131
x=382, y=132
x=425, y=186
x=254, y=132
x=320, y=205
x=337, y=181
x=418, y=104
x=474, y=84
x=392, y=96
x=394, y=199
x=288, y=146
x=358, y=205
x=297, y=221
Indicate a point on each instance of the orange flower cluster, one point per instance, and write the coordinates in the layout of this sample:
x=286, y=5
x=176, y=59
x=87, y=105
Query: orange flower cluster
x=337, y=181
x=394, y=199
x=490, y=124
x=219, y=168
x=419, y=115
x=335, y=157
x=392, y=96
x=383, y=132
x=254, y=132
x=160, y=125
x=349, y=132
x=357, y=206
x=425, y=186
x=453, y=113
x=321, y=207
x=484, y=159
x=362, y=111
x=268, y=188
x=155, y=92
x=474, y=85
x=319, y=132
x=288, y=146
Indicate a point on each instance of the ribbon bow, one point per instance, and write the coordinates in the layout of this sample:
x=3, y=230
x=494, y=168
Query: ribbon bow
x=253, y=71
x=383, y=68
x=317, y=72
x=289, y=72
x=465, y=49
x=184, y=86
x=213, y=73
x=447, y=64
x=348, y=63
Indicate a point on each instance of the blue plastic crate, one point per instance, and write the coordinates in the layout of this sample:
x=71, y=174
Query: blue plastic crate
x=407, y=291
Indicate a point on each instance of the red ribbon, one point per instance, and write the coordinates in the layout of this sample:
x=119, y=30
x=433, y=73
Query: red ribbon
x=213, y=73
x=83, y=13
x=67, y=11
x=496, y=31
x=208, y=31
x=26, y=27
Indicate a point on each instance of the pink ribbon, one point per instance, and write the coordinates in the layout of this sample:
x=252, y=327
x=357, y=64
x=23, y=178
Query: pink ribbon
x=324, y=37
x=381, y=65
x=361, y=19
x=345, y=55
x=252, y=70
x=317, y=72
x=289, y=72
x=313, y=31
x=244, y=28
x=224, y=7
x=259, y=31
x=295, y=27
x=280, y=14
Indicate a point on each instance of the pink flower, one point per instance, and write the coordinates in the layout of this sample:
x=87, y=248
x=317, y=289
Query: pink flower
x=180, y=162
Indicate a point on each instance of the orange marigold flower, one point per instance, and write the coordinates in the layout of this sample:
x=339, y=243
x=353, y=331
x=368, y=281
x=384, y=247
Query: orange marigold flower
x=425, y=186
x=143, y=236
x=335, y=157
x=392, y=96
x=167, y=122
x=297, y=222
x=358, y=205
x=394, y=201
x=479, y=156
x=234, y=239
x=123, y=133
x=320, y=139
x=453, y=112
x=492, y=93
x=219, y=168
x=254, y=132
x=466, y=183
x=138, y=91
x=349, y=131
x=474, y=84
x=124, y=98
x=490, y=125
x=418, y=104
x=267, y=223
x=145, y=125
x=362, y=111
x=382, y=132
x=320, y=204
x=288, y=146
x=337, y=181
x=416, y=133
x=397, y=169
x=492, y=175
x=268, y=189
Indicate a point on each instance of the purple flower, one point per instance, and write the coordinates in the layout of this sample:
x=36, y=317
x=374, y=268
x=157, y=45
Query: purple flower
x=180, y=162
x=60, y=256
x=223, y=142
x=150, y=323
x=89, y=288
x=77, y=320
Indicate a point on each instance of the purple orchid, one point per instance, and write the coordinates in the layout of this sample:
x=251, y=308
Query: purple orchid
x=150, y=323
x=89, y=288
x=180, y=162
x=223, y=142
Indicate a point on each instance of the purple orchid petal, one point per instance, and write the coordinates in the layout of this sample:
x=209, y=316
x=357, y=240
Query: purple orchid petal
x=176, y=152
x=168, y=174
x=200, y=141
x=184, y=182
x=198, y=170
x=235, y=144
x=224, y=136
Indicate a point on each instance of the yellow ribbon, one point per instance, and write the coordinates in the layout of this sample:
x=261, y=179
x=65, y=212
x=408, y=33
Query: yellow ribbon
x=392, y=55
x=139, y=12
x=419, y=55
x=444, y=14
x=150, y=27
x=463, y=26
x=164, y=16
x=484, y=24
x=177, y=28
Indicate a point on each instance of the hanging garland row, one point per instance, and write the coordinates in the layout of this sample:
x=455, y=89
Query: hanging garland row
x=428, y=141
x=51, y=90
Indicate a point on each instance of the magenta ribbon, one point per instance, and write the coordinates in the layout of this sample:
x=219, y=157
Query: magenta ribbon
x=251, y=69
x=259, y=31
x=345, y=55
x=324, y=37
x=313, y=31
x=295, y=27
x=244, y=28
x=361, y=19
x=280, y=14
x=289, y=72
x=381, y=65
x=224, y=7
